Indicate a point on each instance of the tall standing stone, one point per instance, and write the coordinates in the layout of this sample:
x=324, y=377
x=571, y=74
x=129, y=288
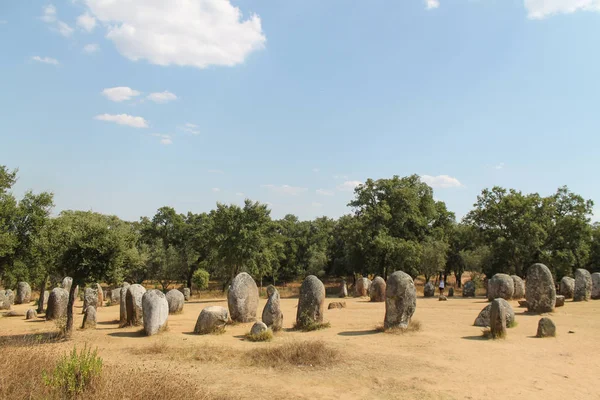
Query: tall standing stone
x=156, y=311
x=242, y=298
x=123, y=304
x=66, y=284
x=596, y=285
x=89, y=318
x=133, y=300
x=343, y=289
x=400, y=300
x=567, y=287
x=311, y=302
x=583, y=285
x=497, y=319
x=187, y=293
x=10, y=298
x=115, y=296
x=3, y=301
x=90, y=298
x=501, y=286
x=272, y=315
x=23, y=293
x=519, y=287
x=175, y=299
x=98, y=288
x=362, y=287
x=469, y=289
x=377, y=290
x=429, y=290
x=57, y=304
x=540, y=292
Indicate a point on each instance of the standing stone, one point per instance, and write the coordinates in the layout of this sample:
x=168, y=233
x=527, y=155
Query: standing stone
x=469, y=289
x=560, y=301
x=362, y=287
x=451, y=292
x=343, y=289
x=133, y=300
x=519, y=287
x=583, y=285
x=596, y=285
x=57, y=304
x=311, y=302
x=4, y=302
x=98, y=288
x=497, y=319
x=123, y=304
x=567, y=287
x=483, y=319
x=90, y=298
x=175, y=299
x=115, y=296
x=66, y=284
x=429, y=290
x=31, y=314
x=187, y=293
x=501, y=286
x=212, y=319
x=156, y=311
x=377, y=290
x=400, y=300
x=242, y=298
x=258, y=328
x=540, y=292
x=23, y=293
x=272, y=315
x=546, y=328
x=89, y=318
x=10, y=297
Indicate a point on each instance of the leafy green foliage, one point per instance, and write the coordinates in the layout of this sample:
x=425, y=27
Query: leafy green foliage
x=200, y=279
x=75, y=372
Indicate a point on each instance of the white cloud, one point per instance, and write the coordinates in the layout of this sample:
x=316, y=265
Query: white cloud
x=343, y=177
x=348, y=186
x=316, y=205
x=164, y=139
x=190, y=128
x=123, y=119
x=91, y=48
x=64, y=29
x=187, y=33
x=315, y=170
x=45, y=60
x=596, y=214
x=324, y=192
x=441, y=181
x=86, y=22
x=432, y=4
x=539, y=9
x=239, y=194
x=499, y=166
x=285, y=189
x=162, y=97
x=216, y=190
x=49, y=14
x=120, y=93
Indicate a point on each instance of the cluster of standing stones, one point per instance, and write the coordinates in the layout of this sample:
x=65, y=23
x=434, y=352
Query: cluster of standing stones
x=151, y=308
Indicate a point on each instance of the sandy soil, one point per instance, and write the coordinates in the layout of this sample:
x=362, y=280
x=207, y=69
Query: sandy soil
x=447, y=359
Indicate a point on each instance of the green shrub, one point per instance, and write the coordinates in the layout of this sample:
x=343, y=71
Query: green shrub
x=200, y=279
x=75, y=373
x=265, y=336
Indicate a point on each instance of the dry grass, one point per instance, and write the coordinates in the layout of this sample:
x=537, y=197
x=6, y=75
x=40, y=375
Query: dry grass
x=265, y=336
x=413, y=326
x=487, y=333
x=294, y=354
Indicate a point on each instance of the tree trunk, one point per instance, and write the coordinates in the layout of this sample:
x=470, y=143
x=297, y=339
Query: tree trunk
x=458, y=279
x=69, y=327
x=40, y=308
x=189, y=280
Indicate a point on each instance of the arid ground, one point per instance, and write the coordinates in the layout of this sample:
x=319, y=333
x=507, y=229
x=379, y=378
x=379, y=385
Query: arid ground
x=447, y=359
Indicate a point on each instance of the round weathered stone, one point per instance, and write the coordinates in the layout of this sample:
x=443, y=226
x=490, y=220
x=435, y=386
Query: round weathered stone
x=519, y=287
x=451, y=292
x=596, y=285
x=310, y=302
x=123, y=304
x=10, y=298
x=176, y=300
x=156, y=311
x=567, y=287
x=498, y=318
x=90, y=298
x=483, y=319
x=57, y=304
x=187, y=293
x=429, y=290
x=23, y=293
x=469, y=289
x=442, y=298
x=272, y=315
x=89, y=318
x=336, y=304
x=377, y=290
x=133, y=301
x=400, y=300
x=362, y=287
x=31, y=314
x=540, y=292
x=501, y=286
x=560, y=301
x=343, y=289
x=3, y=301
x=258, y=328
x=98, y=289
x=242, y=298
x=546, y=328
x=211, y=319
x=583, y=285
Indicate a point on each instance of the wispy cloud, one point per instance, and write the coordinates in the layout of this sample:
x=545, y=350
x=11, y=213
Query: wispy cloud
x=240, y=194
x=64, y=29
x=540, y=9
x=123, y=119
x=324, y=192
x=45, y=60
x=499, y=166
x=49, y=14
x=90, y=48
x=343, y=177
x=162, y=97
x=49, y=17
x=164, y=139
x=216, y=190
x=190, y=128
x=432, y=4
x=86, y=22
x=285, y=189
x=441, y=181
x=120, y=93
x=348, y=186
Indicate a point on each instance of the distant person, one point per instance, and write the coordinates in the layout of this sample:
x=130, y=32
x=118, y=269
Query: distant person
x=442, y=286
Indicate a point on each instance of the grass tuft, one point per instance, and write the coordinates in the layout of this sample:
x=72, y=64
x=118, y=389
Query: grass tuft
x=265, y=336
x=297, y=354
x=413, y=326
x=487, y=333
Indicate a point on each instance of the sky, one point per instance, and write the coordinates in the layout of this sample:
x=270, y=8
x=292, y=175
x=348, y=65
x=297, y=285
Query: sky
x=125, y=106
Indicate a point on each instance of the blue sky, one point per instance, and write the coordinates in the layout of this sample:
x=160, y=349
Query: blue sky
x=123, y=106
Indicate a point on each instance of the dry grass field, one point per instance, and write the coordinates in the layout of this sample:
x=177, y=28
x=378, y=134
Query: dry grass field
x=447, y=358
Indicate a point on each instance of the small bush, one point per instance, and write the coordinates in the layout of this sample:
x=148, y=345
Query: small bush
x=265, y=336
x=308, y=354
x=200, y=279
x=306, y=324
x=75, y=373
x=513, y=324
